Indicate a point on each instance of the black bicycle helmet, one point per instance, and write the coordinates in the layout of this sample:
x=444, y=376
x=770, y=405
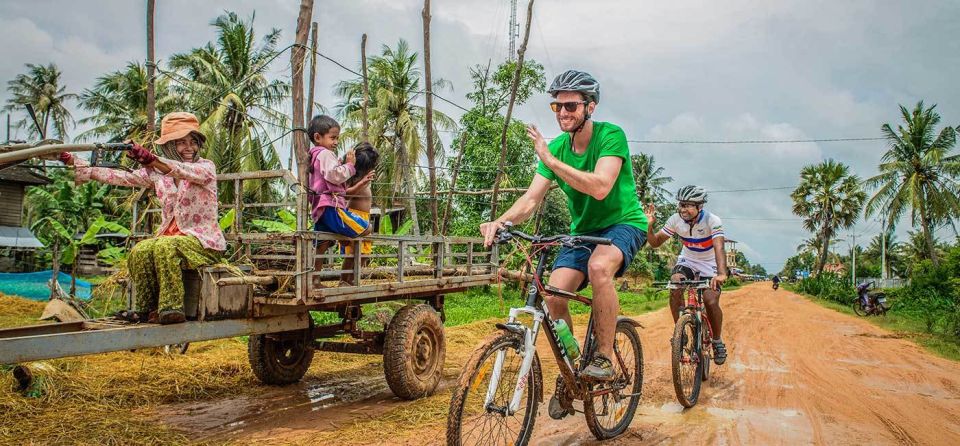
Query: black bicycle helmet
x=692, y=194
x=579, y=81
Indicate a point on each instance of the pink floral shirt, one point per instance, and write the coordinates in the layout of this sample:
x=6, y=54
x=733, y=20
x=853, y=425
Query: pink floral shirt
x=192, y=202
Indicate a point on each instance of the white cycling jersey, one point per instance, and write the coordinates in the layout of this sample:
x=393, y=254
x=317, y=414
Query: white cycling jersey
x=697, y=241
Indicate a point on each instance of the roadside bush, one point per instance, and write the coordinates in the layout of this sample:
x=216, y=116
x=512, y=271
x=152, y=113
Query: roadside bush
x=933, y=295
x=828, y=286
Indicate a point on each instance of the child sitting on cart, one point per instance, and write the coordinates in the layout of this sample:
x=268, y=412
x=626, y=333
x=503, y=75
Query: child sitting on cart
x=360, y=196
x=328, y=178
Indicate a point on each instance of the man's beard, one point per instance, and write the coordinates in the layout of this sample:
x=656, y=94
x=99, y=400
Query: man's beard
x=577, y=122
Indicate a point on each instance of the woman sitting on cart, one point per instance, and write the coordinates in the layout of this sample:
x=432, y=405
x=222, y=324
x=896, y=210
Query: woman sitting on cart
x=189, y=235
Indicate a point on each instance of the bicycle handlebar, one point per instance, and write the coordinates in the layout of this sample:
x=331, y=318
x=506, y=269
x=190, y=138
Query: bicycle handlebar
x=506, y=233
x=673, y=285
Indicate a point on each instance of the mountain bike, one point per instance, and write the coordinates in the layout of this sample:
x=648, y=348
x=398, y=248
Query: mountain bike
x=500, y=387
x=691, y=347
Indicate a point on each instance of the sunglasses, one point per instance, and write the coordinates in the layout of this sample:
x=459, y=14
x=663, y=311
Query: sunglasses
x=568, y=106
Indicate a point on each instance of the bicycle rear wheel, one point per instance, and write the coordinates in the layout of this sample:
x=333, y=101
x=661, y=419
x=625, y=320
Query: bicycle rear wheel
x=470, y=421
x=611, y=412
x=687, y=361
x=706, y=352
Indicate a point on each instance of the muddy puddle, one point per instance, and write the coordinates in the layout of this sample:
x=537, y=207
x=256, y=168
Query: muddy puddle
x=313, y=404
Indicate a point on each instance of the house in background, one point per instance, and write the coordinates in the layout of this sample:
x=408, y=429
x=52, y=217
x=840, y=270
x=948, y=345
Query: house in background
x=17, y=244
x=730, y=248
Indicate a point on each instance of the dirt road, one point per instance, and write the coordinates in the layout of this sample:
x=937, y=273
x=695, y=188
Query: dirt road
x=797, y=373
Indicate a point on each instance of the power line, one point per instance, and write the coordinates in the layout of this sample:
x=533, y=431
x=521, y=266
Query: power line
x=752, y=141
x=751, y=190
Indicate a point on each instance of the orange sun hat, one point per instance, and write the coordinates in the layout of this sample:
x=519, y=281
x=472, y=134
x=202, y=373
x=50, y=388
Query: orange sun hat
x=177, y=125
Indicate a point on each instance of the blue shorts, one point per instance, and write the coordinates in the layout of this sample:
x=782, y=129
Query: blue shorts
x=341, y=221
x=629, y=239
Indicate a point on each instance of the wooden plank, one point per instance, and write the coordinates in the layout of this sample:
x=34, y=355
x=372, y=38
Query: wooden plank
x=75, y=343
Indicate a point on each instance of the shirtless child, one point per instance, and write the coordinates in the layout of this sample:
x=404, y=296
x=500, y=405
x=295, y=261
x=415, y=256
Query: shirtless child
x=360, y=199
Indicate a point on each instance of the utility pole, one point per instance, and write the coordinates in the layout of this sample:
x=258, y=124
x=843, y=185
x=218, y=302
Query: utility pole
x=431, y=147
x=151, y=67
x=514, y=31
x=853, y=255
x=883, y=250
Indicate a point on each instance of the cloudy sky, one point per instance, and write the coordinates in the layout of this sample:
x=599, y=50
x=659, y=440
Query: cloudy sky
x=683, y=70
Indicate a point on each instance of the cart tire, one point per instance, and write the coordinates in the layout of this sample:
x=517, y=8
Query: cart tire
x=279, y=362
x=414, y=351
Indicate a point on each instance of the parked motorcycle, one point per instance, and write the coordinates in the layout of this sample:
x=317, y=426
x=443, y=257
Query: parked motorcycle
x=867, y=303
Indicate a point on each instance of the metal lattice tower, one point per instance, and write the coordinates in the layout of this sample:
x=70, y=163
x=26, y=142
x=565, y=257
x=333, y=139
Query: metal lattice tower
x=514, y=31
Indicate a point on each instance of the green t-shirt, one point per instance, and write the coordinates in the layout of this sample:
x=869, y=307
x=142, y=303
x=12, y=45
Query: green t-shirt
x=621, y=205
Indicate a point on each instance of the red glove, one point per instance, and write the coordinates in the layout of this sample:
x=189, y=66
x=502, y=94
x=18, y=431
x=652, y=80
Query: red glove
x=65, y=157
x=141, y=155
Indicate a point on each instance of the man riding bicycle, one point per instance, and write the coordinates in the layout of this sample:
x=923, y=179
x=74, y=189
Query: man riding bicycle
x=591, y=165
x=701, y=258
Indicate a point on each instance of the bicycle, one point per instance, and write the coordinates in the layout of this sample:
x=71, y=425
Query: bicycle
x=501, y=385
x=691, y=359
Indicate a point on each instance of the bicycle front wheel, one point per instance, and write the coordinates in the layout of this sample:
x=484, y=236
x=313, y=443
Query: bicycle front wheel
x=687, y=361
x=611, y=407
x=473, y=421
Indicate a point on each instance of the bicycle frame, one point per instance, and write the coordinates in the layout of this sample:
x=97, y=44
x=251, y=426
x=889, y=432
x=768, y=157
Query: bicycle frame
x=541, y=319
x=694, y=305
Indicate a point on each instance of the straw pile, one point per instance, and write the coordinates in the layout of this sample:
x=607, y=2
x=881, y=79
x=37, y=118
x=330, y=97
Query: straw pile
x=111, y=399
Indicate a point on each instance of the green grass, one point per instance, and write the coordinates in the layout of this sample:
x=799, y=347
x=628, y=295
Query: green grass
x=908, y=327
x=479, y=304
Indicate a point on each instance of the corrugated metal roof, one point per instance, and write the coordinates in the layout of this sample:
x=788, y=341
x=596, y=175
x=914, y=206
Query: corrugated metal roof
x=13, y=237
x=20, y=174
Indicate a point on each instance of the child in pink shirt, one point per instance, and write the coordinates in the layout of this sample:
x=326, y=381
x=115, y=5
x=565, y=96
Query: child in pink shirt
x=328, y=179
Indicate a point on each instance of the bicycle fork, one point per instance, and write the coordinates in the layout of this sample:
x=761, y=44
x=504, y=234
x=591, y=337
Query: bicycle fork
x=526, y=364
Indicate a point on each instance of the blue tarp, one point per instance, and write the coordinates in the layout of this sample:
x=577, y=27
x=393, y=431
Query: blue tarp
x=34, y=285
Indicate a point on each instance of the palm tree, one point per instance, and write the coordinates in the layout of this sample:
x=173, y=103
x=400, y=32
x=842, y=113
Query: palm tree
x=915, y=248
x=828, y=198
x=886, y=243
x=226, y=85
x=918, y=172
x=813, y=245
x=650, y=179
x=40, y=87
x=396, y=120
x=118, y=103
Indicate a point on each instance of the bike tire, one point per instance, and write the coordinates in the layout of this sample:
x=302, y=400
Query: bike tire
x=706, y=356
x=683, y=357
x=858, y=308
x=598, y=410
x=470, y=392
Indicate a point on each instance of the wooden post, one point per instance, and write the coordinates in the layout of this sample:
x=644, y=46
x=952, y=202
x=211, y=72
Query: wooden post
x=313, y=71
x=431, y=147
x=299, y=146
x=453, y=184
x=366, y=88
x=506, y=123
x=151, y=67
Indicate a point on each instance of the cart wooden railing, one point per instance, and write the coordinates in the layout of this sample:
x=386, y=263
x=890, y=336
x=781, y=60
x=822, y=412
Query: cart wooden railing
x=399, y=265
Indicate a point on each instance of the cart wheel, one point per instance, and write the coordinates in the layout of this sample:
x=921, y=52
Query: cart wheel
x=414, y=351
x=278, y=359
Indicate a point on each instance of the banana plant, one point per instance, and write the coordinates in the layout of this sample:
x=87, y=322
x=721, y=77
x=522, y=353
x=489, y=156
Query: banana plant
x=53, y=230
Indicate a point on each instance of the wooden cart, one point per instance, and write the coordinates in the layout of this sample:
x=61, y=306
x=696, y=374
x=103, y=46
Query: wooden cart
x=270, y=299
